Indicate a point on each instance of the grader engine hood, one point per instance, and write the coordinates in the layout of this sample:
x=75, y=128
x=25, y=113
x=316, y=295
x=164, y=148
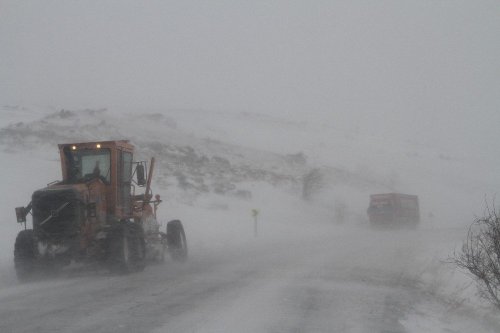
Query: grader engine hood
x=57, y=212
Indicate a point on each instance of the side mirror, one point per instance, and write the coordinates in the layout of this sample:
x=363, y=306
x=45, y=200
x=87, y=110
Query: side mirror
x=91, y=209
x=21, y=214
x=141, y=179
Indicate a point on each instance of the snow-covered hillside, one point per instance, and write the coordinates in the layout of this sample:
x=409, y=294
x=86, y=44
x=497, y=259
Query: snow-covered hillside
x=225, y=153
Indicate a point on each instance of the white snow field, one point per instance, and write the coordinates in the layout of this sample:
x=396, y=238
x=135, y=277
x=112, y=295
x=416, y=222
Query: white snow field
x=316, y=265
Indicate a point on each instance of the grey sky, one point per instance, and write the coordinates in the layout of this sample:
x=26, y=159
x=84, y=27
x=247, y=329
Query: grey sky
x=432, y=65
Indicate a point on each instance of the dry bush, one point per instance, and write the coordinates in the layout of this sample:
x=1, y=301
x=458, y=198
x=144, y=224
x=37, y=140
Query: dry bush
x=480, y=255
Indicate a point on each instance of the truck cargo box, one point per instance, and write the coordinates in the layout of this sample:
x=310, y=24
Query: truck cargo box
x=394, y=209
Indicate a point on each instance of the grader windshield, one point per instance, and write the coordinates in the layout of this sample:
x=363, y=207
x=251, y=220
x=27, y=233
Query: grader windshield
x=85, y=164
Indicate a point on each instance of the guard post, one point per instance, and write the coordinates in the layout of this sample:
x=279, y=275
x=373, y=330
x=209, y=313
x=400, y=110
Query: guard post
x=255, y=214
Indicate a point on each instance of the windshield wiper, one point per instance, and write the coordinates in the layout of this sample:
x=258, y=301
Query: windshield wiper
x=54, y=213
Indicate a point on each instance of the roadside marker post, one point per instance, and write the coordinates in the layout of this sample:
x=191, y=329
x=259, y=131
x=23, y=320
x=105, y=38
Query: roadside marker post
x=255, y=214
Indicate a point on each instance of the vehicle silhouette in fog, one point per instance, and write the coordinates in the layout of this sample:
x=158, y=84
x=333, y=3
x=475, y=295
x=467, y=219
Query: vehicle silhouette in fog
x=394, y=210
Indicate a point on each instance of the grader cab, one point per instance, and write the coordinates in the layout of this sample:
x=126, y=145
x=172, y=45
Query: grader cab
x=96, y=213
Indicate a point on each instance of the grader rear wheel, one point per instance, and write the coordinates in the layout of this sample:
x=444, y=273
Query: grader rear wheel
x=127, y=249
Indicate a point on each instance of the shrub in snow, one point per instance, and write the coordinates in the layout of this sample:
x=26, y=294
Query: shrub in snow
x=480, y=255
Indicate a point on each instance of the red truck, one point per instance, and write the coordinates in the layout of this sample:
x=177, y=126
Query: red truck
x=394, y=209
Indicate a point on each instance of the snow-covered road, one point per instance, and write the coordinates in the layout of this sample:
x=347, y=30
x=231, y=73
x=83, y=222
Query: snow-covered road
x=339, y=280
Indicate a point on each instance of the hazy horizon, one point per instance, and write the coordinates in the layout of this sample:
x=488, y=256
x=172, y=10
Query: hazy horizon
x=414, y=62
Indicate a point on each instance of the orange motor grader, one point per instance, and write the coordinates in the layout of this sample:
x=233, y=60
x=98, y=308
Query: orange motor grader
x=95, y=215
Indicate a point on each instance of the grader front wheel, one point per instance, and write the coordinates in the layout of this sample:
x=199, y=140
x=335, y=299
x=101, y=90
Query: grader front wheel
x=176, y=241
x=25, y=255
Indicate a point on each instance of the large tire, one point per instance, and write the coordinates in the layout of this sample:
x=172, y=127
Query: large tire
x=25, y=260
x=176, y=241
x=127, y=251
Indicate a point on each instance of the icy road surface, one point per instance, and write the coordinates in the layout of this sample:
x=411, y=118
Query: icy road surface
x=339, y=280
